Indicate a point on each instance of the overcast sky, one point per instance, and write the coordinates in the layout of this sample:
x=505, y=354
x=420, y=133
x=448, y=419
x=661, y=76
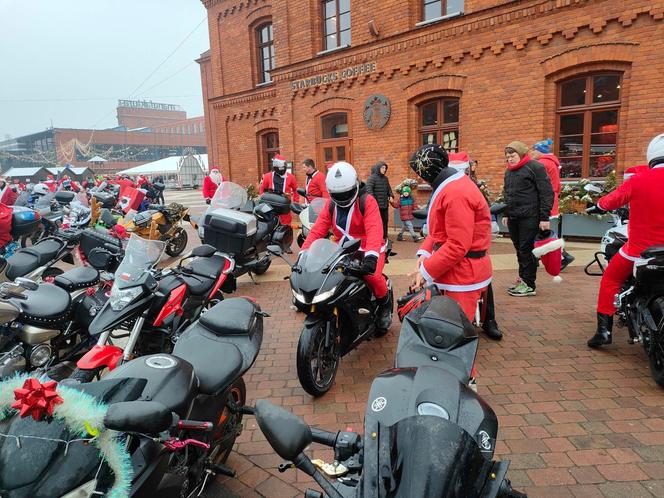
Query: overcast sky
x=69, y=61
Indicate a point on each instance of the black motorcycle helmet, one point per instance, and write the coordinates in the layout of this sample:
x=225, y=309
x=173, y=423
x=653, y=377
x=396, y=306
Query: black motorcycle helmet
x=429, y=161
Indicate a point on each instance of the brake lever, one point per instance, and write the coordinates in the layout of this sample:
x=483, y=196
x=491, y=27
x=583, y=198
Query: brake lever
x=174, y=444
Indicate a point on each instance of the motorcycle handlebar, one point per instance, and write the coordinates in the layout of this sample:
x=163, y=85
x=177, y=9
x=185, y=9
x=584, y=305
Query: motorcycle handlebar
x=324, y=437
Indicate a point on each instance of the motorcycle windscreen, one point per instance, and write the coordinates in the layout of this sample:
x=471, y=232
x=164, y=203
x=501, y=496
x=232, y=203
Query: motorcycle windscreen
x=431, y=457
x=140, y=256
x=309, y=216
x=229, y=195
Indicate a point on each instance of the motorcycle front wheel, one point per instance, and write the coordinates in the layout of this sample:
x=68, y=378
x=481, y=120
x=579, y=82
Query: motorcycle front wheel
x=656, y=355
x=178, y=242
x=317, y=363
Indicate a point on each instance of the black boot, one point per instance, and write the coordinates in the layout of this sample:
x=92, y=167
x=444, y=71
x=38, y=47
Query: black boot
x=492, y=331
x=567, y=259
x=384, y=313
x=603, y=335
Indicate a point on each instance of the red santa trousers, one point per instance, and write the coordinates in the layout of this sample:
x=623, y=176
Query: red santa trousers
x=467, y=300
x=377, y=282
x=619, y=270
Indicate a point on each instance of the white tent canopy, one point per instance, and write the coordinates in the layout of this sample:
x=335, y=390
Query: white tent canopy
x=97, y=159
x=178, y=171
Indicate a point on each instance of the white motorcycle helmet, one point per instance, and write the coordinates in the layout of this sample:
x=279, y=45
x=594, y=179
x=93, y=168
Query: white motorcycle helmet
x=655, y=152
x=41, y=189
x=342, y=184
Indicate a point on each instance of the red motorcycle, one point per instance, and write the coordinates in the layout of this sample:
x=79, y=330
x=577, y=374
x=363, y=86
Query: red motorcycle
x=151, y=307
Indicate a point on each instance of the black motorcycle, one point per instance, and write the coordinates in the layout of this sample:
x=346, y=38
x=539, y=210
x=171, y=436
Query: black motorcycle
x=640, y=302
x=426, y=433
x=341, y=310
x=179, y=414
x=243, y=229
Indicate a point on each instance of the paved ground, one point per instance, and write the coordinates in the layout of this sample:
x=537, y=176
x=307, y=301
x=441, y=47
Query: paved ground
x=573, y=422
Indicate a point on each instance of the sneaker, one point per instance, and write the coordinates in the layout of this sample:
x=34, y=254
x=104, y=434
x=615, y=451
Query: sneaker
x=567, y=259
x=417, y=239
x=400, y=237
x=514, y=285
x=522, y=290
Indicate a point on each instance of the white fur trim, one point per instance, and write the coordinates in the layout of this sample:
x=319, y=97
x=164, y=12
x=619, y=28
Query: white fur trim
x=554, y=245
x=465, y=288
x=557, y=279
x=422, y=252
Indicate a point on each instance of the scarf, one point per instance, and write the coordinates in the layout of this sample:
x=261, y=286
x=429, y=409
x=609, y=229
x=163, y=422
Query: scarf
x=406, y=201
x=518, y=165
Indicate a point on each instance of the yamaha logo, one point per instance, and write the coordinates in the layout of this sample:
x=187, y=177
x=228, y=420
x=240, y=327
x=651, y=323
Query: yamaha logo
x=485, y=440
x=379, y=404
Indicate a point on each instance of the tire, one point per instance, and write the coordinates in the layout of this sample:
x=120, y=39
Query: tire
x=178, y=242
x=310, y=348
x=656, y=355
x=230, y=421
x=261, y=269
x=85, y=375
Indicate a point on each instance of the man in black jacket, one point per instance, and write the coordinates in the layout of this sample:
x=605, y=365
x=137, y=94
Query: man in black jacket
x=379, y=187
x=529, y=198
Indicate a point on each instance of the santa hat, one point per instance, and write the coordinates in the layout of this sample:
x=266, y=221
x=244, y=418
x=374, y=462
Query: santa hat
x=634, y=170
x=549, y=249
x=459, y=160
x=278, y=161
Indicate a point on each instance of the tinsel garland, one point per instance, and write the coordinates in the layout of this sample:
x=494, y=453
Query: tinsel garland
x=84, y=416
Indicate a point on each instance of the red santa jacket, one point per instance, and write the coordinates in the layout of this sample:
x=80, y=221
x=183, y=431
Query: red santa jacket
x=643, y=192
x=289, y=189
x=552, y=166
x=315, y=186
x=459, y=222
x=209, y=187
x=368, y=227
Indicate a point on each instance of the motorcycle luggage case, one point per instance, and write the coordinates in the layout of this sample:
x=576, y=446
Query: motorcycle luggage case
x=106, y=199
x=24, y=221
x=279, y=203
x=92, y=238
x=230, y=231
x=64, y=196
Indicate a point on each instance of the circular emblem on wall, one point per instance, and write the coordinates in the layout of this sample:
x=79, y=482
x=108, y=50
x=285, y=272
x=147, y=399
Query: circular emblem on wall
x=377, y=111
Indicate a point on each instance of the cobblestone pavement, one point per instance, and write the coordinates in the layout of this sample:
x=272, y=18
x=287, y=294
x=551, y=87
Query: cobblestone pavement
x=573, y=422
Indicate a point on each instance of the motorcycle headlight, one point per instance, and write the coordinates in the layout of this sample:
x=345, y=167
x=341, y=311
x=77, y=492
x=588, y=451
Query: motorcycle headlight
x=322, y=296
x=84, y=491
x=120, y=298
x=40, y=355
x=298, y=297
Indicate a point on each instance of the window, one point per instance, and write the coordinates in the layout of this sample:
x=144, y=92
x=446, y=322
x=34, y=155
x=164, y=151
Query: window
x=434, y=9
x=587, y=125
x=336, y=23
x=334, y=142
x=439, y=123
x=269, y=144
x=334, y=126
x=265, y=47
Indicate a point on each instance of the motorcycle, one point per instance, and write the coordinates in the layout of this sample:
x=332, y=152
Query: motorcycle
x=426, y=434
x=614, y=238
x=163, y=223
x=154, y=306
x=177, y=415
x=243, y=230
x=640, y=302
x=308, y=215
x=341, y=311
x=24, y=223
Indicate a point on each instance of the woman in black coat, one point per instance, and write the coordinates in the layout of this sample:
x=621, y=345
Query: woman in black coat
x=379, y=186
x=529, y=198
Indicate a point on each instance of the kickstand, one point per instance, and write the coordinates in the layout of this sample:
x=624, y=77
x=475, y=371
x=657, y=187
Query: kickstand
x=251, y=276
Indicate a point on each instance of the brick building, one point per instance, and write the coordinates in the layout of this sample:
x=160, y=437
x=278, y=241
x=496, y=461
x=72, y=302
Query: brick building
x=146, y=131
x=319, y=78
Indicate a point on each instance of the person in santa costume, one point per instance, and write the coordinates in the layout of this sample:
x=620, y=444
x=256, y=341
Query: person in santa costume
x=643, y=192
x=50, y=183
x=351, y=213
x=280, y=181
x=315, y=182
x=455, y=253
x=634, y=170
x=210, y=184
x=541, y=152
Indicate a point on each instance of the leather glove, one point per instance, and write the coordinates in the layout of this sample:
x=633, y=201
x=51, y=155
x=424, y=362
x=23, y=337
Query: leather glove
x=208, y=201
x=369, y=264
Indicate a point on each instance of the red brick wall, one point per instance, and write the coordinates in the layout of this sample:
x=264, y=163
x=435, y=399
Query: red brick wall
x=502, y=61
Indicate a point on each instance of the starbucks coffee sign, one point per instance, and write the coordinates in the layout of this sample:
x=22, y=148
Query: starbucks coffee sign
x=339, y=75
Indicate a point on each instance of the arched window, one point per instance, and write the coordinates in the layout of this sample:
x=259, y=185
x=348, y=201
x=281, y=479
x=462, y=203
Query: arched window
x=269, y=147
x=587, y=124
x=438, y=122
x=265, y=52
x=334, y=138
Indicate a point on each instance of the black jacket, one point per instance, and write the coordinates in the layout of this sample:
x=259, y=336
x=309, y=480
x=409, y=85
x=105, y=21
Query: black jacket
x=379, y=186
x=528, y=192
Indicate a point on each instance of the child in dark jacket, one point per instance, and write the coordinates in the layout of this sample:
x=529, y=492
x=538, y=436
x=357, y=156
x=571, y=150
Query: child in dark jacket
x=406, y=207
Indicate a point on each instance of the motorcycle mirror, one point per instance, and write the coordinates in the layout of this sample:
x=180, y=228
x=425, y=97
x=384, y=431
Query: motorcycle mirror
x=498, y=208
x=351, y=245
x=149, y=417
x=420, y=214
x=302, y=191
x=591, y=187
x=274, y=249
x=288, y=434
x=26, y=283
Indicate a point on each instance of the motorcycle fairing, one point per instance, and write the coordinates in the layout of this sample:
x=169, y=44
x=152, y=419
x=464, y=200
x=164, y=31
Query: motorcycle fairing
x=101, y=356
x=173, y=305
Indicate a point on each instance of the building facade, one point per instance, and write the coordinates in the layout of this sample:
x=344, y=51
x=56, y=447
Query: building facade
x=372, y=80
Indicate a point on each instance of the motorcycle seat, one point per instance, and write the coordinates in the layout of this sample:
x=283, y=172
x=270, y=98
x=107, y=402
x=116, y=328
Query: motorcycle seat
x=208, y=267
x=48, y=306
x=78, y=278
x=197, y=285
x=26, y=260
x=651, y=252
x=233, y=316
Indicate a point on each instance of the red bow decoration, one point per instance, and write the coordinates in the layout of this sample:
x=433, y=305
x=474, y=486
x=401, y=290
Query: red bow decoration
x=36, y=399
